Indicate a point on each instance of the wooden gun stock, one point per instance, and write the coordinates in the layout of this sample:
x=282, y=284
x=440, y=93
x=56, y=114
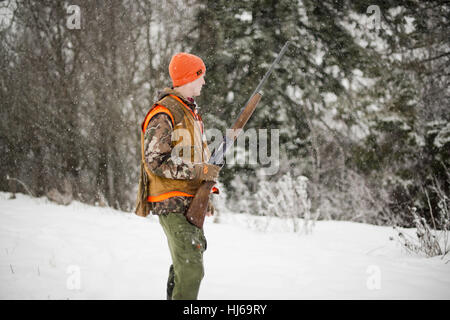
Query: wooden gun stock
x=197, y=209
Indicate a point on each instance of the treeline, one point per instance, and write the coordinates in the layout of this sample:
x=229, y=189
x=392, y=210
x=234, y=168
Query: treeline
x=361, y=100
x=72, y=99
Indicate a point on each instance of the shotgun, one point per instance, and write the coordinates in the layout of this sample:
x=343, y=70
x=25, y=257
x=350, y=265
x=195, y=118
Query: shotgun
x=197, y=209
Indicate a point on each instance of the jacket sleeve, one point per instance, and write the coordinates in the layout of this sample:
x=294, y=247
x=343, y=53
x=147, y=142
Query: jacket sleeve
x=158, y=151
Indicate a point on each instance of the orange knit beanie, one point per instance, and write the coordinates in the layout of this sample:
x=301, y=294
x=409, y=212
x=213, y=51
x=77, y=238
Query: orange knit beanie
x=185, y=68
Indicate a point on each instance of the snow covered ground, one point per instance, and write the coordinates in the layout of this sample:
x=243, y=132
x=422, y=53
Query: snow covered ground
x=82, y=252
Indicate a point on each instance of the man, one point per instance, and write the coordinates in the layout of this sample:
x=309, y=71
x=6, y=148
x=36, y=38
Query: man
x=176, y=156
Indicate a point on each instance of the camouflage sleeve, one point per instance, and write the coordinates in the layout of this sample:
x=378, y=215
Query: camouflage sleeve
x=158, y=151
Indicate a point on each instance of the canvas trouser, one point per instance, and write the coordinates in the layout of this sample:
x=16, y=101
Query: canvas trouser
x=187, y=244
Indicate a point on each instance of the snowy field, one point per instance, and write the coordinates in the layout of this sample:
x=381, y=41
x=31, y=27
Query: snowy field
x=82, y=252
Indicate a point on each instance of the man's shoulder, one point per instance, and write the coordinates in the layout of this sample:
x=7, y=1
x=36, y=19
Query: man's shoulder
x=173, y=106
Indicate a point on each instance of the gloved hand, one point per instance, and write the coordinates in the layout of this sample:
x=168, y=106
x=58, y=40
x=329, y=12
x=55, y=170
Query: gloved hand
x=207, y=172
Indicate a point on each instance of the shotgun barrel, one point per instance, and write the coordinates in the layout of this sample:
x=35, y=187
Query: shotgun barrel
x=219, y=153
x=197, y=209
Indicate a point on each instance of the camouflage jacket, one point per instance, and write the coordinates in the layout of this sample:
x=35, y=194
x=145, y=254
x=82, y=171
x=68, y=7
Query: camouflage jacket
x=157, y=151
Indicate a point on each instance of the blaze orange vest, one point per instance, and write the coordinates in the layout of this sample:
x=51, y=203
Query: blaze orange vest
x=188, y=141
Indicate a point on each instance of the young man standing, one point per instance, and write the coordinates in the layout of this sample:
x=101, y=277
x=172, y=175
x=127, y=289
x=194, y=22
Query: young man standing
x=176, y=160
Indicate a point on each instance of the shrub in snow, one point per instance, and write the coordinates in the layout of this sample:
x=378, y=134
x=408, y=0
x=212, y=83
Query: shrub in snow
x=64, y=198
x=430, y=242
x=287, y=199
x=350, y=196
x=21, y=183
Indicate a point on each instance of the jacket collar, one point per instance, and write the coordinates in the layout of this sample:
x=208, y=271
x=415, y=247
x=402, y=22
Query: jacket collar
x=188, y=101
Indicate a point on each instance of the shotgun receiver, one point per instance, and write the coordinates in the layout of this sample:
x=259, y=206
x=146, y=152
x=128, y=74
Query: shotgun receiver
x=197, y=209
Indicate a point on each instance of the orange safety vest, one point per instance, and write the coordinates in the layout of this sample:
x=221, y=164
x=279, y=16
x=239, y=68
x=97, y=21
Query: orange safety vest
x=182, y=117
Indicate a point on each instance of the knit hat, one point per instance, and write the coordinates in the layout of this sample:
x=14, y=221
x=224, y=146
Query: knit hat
x=185, y=68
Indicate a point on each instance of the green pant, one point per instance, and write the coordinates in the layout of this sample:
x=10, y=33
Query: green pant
x=187, y=244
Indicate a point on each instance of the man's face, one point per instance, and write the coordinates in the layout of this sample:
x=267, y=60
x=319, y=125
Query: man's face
x=197, y=85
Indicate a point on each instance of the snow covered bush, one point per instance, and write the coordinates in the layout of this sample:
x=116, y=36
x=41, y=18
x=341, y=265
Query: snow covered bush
x=430, y=241
x=287, y=199
x=350, y=196
x=65, y=197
